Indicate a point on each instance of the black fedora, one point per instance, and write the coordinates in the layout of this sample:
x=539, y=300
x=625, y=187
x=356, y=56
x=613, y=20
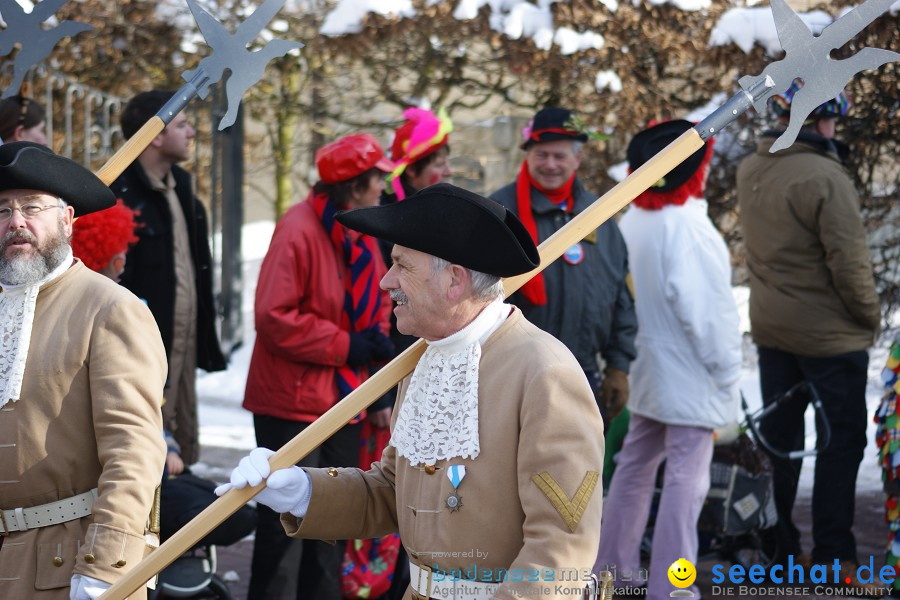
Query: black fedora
x=552, y=124
x=454, y=224
x=646, y=144
x=30, y=166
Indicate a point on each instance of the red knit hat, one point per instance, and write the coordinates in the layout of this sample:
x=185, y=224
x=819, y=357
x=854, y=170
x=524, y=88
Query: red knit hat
x=99, y=236
x=350, y=156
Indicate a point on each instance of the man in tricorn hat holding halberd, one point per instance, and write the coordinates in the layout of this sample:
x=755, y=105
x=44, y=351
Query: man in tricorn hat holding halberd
x=492, y=475
x=82, y=369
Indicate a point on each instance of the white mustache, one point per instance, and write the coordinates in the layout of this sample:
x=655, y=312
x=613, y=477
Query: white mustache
x=17, y=234
x=398, y=296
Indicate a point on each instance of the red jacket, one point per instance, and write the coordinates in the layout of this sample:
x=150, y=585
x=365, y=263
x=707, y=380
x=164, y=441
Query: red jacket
x=299, y=301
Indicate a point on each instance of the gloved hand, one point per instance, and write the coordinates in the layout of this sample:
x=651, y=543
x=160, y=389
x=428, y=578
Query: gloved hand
x=382, y=346
x=614, y=392
x=287, y=490
x=361, y=349
x=86, y=588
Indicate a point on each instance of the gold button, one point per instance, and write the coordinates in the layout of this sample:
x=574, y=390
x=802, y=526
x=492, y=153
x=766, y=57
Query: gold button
x=57, y=561
x=430, y=469
x=333, y=472
x=120, y=563
x=89, y=558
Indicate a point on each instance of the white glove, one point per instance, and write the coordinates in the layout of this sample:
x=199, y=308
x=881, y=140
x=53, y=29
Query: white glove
x=86, y=588
x=287, y=490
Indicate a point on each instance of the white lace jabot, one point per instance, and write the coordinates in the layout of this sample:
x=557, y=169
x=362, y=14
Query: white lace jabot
x=439, y=416
x=17, y=304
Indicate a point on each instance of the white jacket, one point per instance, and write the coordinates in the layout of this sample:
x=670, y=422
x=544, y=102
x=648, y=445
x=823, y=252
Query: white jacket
x=689, y=342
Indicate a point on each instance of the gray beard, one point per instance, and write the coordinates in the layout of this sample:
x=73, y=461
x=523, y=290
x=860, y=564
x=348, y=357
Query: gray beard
x=27, y=270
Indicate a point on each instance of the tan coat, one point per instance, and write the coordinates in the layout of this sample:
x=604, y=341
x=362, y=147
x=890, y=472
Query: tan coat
x=538, y=419
x=812, y=291
x=88, y=416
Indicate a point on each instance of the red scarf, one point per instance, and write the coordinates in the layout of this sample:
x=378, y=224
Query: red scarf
x=534, y=290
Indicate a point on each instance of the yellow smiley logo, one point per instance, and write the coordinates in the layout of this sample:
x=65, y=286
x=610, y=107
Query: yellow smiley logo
x=682, y=573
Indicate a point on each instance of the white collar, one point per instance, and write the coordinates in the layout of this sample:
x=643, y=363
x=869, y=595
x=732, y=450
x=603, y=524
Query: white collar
x=438, y=419
x=480, y=329
x=17, y=304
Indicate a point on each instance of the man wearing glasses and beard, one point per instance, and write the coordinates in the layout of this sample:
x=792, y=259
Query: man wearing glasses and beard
x=82, y=369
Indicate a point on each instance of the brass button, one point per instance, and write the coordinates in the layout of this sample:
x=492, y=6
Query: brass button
x=120, y=563
x=332, y=472
x=430, y=469
x=89, y=558
x=57, y=561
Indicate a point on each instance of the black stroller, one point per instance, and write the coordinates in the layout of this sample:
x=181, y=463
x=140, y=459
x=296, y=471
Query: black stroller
x=193, y=575
x=737, y=522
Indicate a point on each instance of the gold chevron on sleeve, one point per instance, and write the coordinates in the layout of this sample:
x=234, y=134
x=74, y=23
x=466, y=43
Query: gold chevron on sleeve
x=570, y=509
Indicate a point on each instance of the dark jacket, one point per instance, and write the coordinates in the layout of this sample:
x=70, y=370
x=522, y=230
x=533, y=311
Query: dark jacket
x=812, y=291
x=589, y=307
x=150, y=268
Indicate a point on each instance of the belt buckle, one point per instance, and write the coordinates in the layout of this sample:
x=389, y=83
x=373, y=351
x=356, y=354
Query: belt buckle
x=5, y=531
x=428, y=573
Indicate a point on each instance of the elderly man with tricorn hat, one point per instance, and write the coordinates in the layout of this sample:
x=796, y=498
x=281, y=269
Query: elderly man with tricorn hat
x=82, y=369
x=492, y=473
x=582, y=299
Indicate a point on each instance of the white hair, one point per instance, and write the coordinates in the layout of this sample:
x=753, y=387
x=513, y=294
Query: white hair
x=484, y=286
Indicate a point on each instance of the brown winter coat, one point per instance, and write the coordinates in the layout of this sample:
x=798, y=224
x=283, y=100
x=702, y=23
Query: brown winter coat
x=88, y=417
x=537, y=415
x=812, y=291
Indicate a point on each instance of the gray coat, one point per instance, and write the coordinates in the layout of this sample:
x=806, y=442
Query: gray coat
x=589, y=307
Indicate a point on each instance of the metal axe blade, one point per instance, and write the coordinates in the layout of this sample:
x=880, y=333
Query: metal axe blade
x=809, y=58
x=230, y=52
x=35, y=42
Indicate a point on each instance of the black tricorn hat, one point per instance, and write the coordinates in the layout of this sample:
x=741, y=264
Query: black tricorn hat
x=454, y=224
x=551, y=124
x=30, y=166
x=646, y=144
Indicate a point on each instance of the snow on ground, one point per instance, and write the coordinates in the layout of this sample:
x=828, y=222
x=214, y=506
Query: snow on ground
x=224, y=424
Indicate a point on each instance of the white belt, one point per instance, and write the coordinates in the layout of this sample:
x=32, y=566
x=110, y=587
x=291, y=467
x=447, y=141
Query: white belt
x=35, y=517
x=445, y=586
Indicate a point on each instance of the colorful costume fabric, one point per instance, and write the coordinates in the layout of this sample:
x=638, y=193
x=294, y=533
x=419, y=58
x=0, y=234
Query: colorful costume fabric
x=887, y=437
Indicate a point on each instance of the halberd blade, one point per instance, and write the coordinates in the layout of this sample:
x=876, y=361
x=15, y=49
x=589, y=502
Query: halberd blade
x=35, y=42
x=808, y=58
x=230, y=52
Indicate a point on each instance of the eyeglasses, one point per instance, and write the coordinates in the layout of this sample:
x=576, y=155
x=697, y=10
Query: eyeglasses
x=29, y=211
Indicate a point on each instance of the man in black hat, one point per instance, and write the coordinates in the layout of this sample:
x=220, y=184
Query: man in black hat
x=82, y=369
x=492, y=473
x=582, y=299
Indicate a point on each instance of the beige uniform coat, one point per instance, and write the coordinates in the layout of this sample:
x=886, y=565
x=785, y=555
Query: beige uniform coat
x=531, y=499
x=88, y=417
